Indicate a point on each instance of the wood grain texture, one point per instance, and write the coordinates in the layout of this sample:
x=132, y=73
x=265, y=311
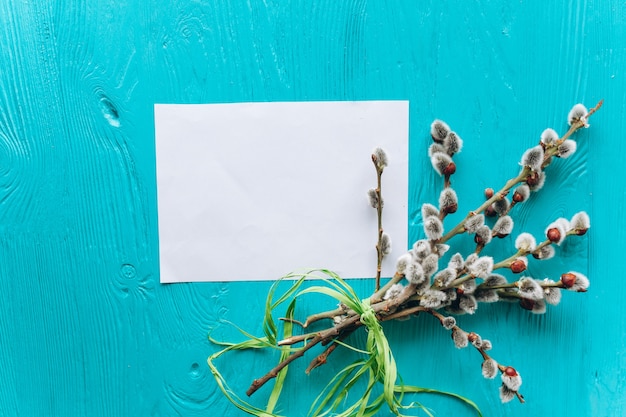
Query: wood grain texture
x=87, y=330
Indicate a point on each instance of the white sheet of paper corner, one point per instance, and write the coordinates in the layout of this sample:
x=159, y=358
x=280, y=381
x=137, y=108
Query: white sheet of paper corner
x=253, y=191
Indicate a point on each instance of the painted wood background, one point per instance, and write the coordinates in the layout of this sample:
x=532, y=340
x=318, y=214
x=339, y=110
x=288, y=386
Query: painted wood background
x=85, y=327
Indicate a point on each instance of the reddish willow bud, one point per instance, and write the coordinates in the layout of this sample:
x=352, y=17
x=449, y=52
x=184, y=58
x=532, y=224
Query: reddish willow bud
x=510, y=371
x=575, y=281
x=490, y=211
x=568, y=279
x=474, y=339
x=554, y=235
x=450, y=169
x=533, y=179
x=521, y=193
x=488, y=193
x=518, y=266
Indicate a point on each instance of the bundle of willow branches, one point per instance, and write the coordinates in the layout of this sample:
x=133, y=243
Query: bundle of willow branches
x=421, y=284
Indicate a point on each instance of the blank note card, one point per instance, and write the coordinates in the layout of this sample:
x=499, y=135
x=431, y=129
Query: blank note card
x=253, y=191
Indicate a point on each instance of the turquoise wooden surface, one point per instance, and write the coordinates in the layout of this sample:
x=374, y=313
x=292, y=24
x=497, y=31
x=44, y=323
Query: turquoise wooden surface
x=86, y=328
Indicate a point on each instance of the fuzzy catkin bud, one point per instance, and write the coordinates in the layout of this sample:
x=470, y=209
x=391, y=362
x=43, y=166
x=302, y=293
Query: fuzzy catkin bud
x=468, y=303
x=536, y=181
x=580, y=223
x=566, y=149
x=525, y=242
x=469, y=261
x=441, y=249
x=485, y=295
x=459, y=337
x=577, y=113
x=448, y=201
x=530, y=289
x=380, y=158
x=494, y=280
x=511, y=379
x=372, y=196
x=506, y=394
x=533, y=158
x=421, y=249
x=503, y=227
x=456, y=262
x=452, y=143
x=482, y=236
x=482, y=267
x=448, y=323
x=434, y=148
x=563, y=222
x=490, y=368
x=433, y=228
x=430, y=264
x=472, y=224
x=549, y=136
x=552, y=295
x=402, y=263
x=439, y=130
x=429, y=210
x=444, y=277
x=393, y=291
x=521, y=193
x=468, y=287
x=546, y=252
x=385, y=244
x=415, y=273
x=441, y=162
x=432, y=298
x=501, y=206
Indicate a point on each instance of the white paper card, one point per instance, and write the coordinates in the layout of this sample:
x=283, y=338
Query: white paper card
x=253, y=191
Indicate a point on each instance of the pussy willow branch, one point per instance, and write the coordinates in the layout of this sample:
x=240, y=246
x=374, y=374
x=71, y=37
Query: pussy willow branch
x=403, y=305
x=379, y=215
x=550, y=152
x=480, y=349
x=459, y=228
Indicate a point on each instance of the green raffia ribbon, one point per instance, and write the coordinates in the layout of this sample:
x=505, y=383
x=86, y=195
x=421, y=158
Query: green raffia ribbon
x=378, y=347
x=378, y=367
